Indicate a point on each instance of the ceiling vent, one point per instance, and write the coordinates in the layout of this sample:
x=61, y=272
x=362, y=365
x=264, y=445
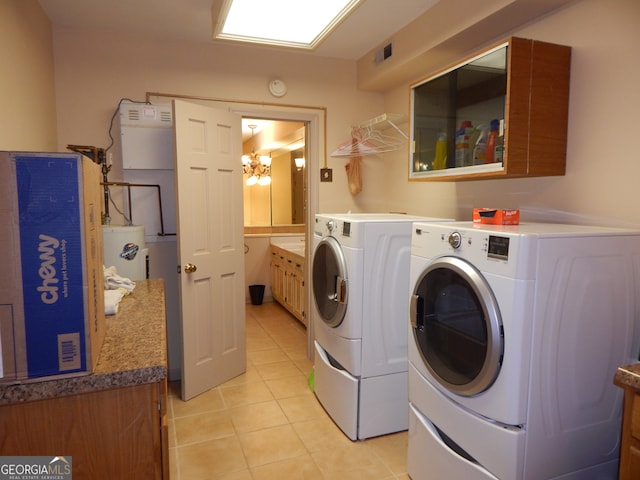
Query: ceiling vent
x=383, y=54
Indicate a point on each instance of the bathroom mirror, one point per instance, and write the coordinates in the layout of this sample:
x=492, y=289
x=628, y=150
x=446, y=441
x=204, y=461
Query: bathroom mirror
x=282, y=201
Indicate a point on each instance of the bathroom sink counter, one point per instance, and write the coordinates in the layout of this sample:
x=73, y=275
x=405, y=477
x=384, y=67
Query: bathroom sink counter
x=294, y=245
x=293, y=249
x=134, y=351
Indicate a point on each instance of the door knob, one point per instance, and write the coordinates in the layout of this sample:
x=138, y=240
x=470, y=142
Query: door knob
x=190, y=268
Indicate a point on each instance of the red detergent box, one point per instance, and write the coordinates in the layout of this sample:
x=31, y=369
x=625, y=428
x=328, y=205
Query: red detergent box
x=52, y=285
x=492, y=216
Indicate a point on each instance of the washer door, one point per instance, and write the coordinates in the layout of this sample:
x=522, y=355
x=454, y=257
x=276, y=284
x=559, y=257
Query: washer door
x=330, y=286
x=457, y=326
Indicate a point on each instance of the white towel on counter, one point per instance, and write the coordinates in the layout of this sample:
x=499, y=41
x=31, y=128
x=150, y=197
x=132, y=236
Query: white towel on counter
x=114, y=281
x=112, y=300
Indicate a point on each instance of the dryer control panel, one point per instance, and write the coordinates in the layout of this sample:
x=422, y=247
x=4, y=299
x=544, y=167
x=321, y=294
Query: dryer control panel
x=498, y=247
x=489, y=250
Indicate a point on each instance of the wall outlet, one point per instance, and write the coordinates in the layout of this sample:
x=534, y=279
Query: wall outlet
x=326, y=175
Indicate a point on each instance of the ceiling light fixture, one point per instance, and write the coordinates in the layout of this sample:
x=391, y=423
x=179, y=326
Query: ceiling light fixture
x=289, y=23
x=257, y=167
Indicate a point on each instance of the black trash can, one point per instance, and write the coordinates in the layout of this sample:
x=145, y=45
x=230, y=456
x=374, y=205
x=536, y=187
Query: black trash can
x=257, y=294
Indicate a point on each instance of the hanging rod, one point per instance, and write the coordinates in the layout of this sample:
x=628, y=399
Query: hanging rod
x=367, y=138
x=386, y=118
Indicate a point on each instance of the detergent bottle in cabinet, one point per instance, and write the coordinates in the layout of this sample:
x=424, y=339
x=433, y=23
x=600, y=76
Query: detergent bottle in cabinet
x=440, y=157
x=498, y=146
x=463, y=144
x=491, y=141
x=480, y=149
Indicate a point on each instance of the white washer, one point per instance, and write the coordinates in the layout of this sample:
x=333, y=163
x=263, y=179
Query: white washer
x=515, y=335
x=360, y=283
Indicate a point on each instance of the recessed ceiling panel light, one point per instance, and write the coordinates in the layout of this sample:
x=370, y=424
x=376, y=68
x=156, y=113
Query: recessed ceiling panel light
x=291, y=23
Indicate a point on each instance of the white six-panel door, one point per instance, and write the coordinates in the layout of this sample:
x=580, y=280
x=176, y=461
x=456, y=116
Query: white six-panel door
x=210, y=231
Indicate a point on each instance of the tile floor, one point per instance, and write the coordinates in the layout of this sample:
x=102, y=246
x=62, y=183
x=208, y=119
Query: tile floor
x=267, y=424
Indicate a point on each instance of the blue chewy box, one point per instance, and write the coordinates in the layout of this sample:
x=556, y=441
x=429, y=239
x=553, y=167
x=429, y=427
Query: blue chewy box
x=53, y=277
x=51, y=243
x=51, y=298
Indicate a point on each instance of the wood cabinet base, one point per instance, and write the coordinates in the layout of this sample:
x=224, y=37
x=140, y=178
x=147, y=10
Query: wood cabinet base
x=630, y=447
x=119, y=433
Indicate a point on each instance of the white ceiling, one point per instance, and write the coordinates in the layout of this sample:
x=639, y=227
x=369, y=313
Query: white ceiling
x=372, y=23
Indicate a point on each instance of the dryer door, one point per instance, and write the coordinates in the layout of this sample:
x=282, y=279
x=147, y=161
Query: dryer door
x=330, y=285
x=457, y=326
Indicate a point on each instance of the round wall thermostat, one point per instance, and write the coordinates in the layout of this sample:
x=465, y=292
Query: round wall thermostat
x=277, y=88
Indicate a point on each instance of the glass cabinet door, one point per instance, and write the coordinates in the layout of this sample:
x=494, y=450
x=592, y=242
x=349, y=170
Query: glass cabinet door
x=502, y=113
x=458, y=118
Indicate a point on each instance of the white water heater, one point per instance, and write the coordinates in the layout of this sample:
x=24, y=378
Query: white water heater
x=124, y=248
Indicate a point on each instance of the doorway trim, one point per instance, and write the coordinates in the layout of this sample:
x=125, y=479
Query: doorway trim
x=315, y=118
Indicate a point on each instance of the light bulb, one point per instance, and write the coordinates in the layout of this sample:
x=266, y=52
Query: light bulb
x=265, y=160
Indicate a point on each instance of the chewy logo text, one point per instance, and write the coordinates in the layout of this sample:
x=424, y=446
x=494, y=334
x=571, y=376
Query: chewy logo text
x=47, y=270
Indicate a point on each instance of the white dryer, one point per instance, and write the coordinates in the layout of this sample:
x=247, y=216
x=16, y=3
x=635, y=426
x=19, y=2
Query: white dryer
x=360, y=283
x=515, y=335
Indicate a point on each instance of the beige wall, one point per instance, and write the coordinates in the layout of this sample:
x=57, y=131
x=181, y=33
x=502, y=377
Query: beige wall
x=27, y=118
x=603, y=159
x=94, y=70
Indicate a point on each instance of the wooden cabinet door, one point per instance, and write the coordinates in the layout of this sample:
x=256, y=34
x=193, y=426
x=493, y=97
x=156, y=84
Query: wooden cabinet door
x=109, y=434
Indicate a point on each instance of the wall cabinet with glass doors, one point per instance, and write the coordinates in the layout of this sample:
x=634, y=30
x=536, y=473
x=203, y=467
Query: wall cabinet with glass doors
x=501, y=113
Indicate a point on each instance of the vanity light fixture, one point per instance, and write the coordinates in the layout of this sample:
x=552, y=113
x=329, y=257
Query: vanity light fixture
x=285, y=23
x=258, y=167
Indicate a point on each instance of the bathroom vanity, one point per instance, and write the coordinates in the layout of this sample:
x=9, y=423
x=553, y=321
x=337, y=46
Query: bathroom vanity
x=287, y=276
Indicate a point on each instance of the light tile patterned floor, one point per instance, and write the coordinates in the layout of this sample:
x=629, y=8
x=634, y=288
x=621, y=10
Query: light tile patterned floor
x=267, y=424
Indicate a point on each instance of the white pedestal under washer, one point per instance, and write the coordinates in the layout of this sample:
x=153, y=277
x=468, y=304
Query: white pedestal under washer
x=360, y=283
x=515, y=334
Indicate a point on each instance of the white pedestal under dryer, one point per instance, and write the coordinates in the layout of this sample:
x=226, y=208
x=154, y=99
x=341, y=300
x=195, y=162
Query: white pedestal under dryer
x=515, y=335
x=360, y=283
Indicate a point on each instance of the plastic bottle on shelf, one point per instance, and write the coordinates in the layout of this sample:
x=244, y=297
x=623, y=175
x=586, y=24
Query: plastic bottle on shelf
x=491, y=141
x=463, y=145
x=480, y=148
x=440, y=157
x=498, y=149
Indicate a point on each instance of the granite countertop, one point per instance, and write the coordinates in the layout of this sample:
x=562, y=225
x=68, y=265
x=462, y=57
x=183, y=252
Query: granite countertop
x=134, y=351
x=628, y=376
